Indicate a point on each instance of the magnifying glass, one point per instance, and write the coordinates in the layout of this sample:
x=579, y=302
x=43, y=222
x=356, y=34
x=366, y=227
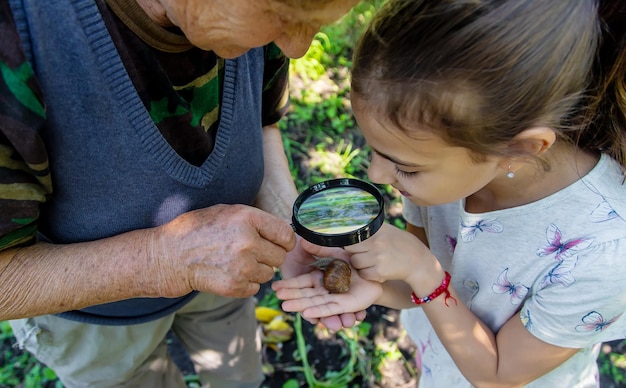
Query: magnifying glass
x=338, y=212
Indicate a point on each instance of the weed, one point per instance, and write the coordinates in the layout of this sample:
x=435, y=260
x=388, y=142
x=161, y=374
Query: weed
x=338, y=378
x=19, y=368
x=612, y=365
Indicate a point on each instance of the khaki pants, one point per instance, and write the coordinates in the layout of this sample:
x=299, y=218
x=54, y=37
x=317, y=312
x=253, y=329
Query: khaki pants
x=219, y=333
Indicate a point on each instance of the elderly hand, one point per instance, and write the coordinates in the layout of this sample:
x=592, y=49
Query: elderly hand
x=224, y=249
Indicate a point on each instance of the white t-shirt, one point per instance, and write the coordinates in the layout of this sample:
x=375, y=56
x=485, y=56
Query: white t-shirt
x=559, y=264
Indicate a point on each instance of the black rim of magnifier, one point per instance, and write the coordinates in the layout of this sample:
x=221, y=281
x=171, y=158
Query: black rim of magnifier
x=340, y=239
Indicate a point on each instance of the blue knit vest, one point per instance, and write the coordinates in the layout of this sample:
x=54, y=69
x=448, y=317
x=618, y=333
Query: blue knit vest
x=112, y=170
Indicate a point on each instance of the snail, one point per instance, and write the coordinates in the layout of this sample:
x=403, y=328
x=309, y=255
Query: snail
x=336, y=274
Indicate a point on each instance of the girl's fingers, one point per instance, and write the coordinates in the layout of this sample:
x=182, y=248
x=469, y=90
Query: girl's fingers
x=321, y=251
x=360, y=315
x=323, y=310
x=301, y=304
x=333, y=323
x=347, y=320
x=299, y=293
x=308, y=280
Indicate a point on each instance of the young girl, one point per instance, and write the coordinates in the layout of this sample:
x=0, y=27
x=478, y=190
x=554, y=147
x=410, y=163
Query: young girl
x=503, y=125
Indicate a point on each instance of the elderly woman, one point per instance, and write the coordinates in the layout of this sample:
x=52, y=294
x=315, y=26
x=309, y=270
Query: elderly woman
x=134, y=137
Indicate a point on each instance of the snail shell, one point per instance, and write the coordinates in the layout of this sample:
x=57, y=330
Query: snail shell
x=336, y=274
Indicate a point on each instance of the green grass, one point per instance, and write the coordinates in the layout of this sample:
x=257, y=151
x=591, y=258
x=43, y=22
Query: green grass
x=19, y=368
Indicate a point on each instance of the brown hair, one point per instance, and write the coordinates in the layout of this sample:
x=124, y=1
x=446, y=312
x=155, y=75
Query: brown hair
x=607, y=130
x=481, y=71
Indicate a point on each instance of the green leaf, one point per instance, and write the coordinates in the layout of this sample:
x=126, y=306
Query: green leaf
x=17, y=82
x=291, y=383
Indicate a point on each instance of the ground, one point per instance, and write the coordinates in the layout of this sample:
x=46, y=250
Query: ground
x=327, y=352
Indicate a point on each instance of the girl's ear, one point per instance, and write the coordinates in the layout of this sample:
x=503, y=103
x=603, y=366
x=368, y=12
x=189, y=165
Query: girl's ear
x=533, y=141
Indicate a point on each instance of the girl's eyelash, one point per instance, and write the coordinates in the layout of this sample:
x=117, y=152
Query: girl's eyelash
x=406, y=174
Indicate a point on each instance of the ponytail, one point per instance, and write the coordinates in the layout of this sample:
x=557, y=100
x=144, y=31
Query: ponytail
x=607, y=129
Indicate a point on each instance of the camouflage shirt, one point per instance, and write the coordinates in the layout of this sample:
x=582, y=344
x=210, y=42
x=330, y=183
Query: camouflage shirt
x=180, y=86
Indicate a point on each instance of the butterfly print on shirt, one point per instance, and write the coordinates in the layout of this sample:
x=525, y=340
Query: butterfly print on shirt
x=526, y=320
x=473, y=287
x=594, y=321
x=603, y=212
x=451, y=243
x=469, y=230
x=503, y=286
x=560, y=249
x=561, y=273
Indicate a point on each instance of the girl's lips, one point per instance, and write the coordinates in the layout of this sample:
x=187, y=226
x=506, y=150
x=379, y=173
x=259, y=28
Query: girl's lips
x=403, y=193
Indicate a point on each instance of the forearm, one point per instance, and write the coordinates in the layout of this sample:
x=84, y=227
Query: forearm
x=396, y=295
x=278, y=191
x=469, y=342
x=46, y=278
x=478, y=352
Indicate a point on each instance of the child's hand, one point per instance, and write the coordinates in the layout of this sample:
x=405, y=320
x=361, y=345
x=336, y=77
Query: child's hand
x=390, y=254
x=299, y=261
x=307, y=295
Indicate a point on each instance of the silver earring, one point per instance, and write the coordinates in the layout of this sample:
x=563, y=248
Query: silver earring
x=511, y=173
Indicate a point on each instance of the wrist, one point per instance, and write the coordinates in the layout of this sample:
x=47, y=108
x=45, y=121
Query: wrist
x=165, y=277
x=442, y=291
x=426, y=277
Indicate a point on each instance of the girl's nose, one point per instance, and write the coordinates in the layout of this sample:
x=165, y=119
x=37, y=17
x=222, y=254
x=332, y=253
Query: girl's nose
x=380, y=170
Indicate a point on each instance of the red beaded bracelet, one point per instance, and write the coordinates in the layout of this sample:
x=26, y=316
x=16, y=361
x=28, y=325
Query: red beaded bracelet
x=442, y=289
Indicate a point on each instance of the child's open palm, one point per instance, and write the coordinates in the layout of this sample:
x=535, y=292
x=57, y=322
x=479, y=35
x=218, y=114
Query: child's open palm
x=307, y=295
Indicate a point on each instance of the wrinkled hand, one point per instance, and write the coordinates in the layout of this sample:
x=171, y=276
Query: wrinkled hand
x=307, y=295
x=224, y=249
x=298, y=261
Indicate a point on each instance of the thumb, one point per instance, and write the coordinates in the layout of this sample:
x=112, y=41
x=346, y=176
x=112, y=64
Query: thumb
x=274, y=229
x=318, y=250
x=312, y=248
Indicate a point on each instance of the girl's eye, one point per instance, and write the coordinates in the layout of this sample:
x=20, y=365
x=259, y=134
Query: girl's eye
x=406, y=174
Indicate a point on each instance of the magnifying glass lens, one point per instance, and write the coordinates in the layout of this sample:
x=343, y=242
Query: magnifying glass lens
x=338, y=212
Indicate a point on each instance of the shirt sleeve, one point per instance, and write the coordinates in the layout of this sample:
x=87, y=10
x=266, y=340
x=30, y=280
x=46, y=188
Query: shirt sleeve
x=24, y=174
x=275, y=85
x=582, y=300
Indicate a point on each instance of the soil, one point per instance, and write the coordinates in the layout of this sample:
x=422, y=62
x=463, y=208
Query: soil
x=327, y=352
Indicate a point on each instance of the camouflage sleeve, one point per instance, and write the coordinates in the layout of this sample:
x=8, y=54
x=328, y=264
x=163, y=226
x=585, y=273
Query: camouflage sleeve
x=24, y=174
x=276, y=85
